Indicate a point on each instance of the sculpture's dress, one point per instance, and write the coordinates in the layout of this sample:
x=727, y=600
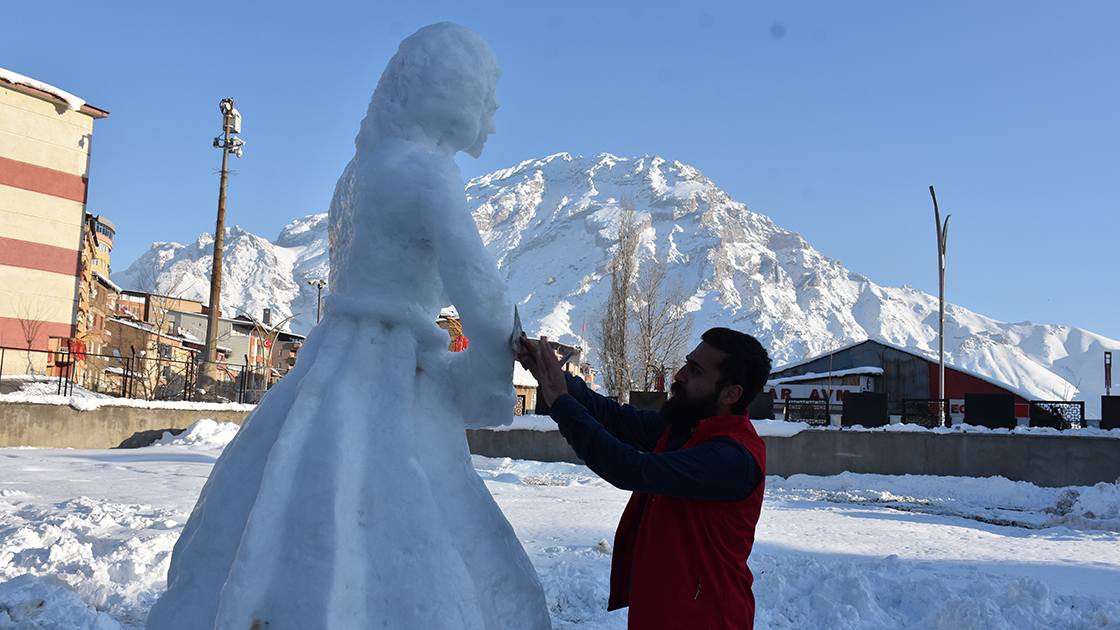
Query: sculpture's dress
x=348, y=499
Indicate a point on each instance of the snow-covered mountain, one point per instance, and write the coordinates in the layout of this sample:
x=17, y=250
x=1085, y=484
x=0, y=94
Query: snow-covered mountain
x=256, y=274
x=551, y=225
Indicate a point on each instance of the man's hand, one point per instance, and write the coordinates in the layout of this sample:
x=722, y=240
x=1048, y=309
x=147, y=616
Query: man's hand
x=541, y=362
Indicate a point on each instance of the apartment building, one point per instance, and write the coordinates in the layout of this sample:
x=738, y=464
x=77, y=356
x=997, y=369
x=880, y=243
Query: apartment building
x=45, y=141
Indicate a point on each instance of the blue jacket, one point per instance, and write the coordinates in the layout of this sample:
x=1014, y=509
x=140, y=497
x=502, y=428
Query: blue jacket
x=617, y=442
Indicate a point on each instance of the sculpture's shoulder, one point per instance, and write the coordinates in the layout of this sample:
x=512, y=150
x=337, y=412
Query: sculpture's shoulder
x=411, y=165
x=405, y=185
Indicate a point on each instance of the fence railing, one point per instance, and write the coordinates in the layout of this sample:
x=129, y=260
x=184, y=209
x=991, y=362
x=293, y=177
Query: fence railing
x=934, y=412
x=812, y=411
x=149, y=376
x=1058, y=414
x=926, y=412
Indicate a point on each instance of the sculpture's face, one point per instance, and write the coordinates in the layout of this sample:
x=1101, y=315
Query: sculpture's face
x=486, y=126
x=437, y=90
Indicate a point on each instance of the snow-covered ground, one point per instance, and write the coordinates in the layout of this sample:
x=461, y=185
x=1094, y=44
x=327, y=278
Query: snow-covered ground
x=86, y=536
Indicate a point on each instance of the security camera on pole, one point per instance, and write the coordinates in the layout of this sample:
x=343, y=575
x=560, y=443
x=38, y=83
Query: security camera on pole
x=228, y=143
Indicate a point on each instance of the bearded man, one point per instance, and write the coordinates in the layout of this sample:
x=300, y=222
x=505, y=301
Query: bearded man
x=697, y=470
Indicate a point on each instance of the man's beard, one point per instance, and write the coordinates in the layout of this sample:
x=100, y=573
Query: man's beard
x=682, y=410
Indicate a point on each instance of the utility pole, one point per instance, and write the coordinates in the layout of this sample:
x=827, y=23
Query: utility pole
x=942, y=236
x=231, y=124
x=318, y=283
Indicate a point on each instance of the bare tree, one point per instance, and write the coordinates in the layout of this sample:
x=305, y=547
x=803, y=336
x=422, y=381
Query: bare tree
x=662, y=324
x=31, y=322
x=159, y=365
x=612, y=331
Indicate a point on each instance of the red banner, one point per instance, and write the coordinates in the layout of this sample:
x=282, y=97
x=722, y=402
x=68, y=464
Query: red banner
x=77, y=350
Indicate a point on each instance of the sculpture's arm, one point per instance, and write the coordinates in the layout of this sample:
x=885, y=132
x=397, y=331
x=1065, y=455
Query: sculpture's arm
x=471, y=280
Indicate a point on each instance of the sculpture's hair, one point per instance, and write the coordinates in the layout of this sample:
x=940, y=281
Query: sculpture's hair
x=433, y=89
x=747, y=363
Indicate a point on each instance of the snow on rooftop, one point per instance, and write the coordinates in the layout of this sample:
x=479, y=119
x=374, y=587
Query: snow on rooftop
x=522, y=377
x=1018, y=390
x=808, y=376
x=112, y=285
x=73, y=102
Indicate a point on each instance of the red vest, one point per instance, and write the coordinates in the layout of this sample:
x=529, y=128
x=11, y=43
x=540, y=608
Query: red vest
x=682, y=563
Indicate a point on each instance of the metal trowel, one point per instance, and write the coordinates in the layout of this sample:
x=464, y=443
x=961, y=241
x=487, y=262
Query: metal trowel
x=515, y=340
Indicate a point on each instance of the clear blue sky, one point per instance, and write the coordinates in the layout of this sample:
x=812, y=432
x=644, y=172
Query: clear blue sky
x=833, y=118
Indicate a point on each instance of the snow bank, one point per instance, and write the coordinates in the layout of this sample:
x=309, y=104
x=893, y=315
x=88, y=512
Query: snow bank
x=804, y=592
x=204, y=433
x=993, y=500
x=528, y=422
x=28, y=602
x=779, y=428
x=113, y=556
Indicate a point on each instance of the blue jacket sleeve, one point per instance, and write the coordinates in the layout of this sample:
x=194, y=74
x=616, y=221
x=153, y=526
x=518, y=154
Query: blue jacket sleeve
x=640, y=428
x=616, y=442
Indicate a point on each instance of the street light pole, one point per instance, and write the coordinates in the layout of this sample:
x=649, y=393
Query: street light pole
x=318, y=283
x=942, y=236
x=231, y=124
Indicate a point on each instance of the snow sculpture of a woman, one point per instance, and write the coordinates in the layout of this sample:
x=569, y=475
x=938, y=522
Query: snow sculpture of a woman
x=348, y=499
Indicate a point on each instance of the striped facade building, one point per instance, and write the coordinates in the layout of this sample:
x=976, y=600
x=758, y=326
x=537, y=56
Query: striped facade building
x=45, y=245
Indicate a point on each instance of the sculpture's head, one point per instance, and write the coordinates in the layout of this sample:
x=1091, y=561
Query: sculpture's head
x=437, y=90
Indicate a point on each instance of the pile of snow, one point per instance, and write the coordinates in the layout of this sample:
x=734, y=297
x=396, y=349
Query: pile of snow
x=989, y=500
x=108, y=553
x=528, y=422
x=89, y=535
x=204, y=433
x=804, y=592
x=45, y=390
x=28, y=602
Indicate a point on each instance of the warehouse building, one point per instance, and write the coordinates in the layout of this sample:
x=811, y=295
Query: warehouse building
x=874, y=366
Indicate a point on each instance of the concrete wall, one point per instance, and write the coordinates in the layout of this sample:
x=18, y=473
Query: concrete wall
x=1052, y=461
x=541, y=446
x=59, y=426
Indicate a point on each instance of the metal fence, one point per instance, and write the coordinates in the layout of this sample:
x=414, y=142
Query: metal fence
x=812, y=411
x=147, y=376
x=926, y=412
x=1058, y=414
